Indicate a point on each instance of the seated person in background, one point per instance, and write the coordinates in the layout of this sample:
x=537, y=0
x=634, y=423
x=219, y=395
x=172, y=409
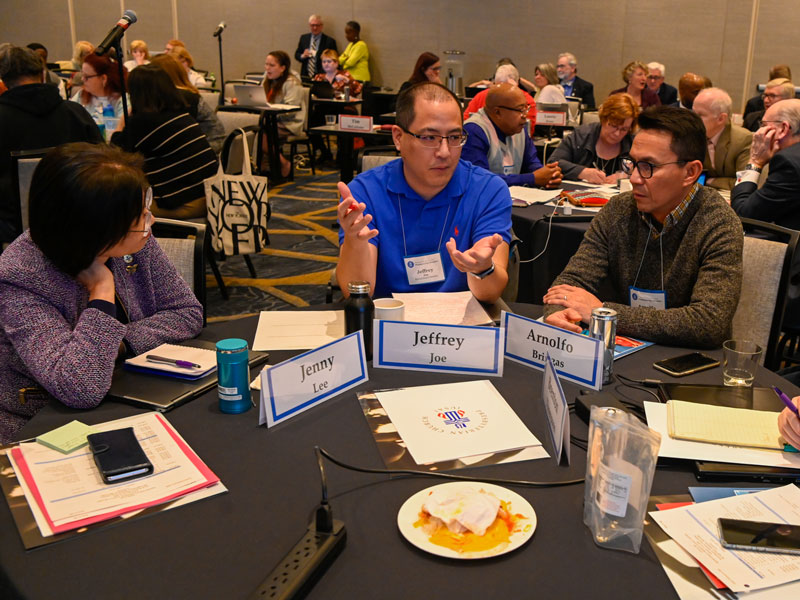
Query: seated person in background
x=427, y=68
x=172, y=44
x=49, y=77
x=177, y=154
x=32, y=115
x=84, y=285
x=396, y=218
x=670, y=250
x=635, y=76
x=655, y=81
x=776, y=143
x=101, y=84
x=567, y=69
x=689, y=85
x=526, y=85
x=506, y=73
x=283, y=87
x=728, y=148
x=310, y=47
x=789, y=425
x=594, y=151
x=79, y=53
x=182, y=54
x=756, y=103
x=776, y=90
x=339, y=80
x=140, y=54
x=199, y=109
x=498, y=140
x=548, y=89
x=355, y=57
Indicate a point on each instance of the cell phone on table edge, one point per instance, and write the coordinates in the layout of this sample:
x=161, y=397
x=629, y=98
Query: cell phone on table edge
x=738, y=534
x=686, y=364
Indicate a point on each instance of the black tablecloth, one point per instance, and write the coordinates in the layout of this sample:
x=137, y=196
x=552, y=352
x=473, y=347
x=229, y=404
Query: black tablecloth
x=224, y=546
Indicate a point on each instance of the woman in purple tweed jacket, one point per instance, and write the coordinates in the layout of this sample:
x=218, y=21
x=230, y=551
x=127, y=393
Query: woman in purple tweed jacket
x=85, y=285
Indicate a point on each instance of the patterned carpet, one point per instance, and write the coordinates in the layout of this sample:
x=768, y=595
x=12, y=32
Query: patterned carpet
x=295, y=269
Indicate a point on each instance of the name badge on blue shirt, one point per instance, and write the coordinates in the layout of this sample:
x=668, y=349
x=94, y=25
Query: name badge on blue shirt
x=653, y=298
x=508, y=169
x=424, y=268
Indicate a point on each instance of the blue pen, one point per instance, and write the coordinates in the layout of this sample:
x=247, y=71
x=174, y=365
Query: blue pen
x=790, y=405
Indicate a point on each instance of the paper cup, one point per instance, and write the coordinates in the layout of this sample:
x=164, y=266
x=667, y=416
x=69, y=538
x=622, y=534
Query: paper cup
x=389, y=309
x=330, y=119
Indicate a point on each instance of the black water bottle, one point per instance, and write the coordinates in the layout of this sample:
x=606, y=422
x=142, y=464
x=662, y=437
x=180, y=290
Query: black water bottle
x=358, y=313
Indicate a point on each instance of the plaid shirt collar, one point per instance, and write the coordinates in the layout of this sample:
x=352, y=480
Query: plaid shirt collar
x=674, y=216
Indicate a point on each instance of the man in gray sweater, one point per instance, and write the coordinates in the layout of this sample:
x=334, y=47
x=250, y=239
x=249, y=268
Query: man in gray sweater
x=669, y=252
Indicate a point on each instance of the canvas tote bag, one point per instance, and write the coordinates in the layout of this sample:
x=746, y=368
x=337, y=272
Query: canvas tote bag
x=238, y=208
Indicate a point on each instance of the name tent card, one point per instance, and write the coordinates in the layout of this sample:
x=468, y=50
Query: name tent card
x=576, y=357
x=297, y=384
x=432, y=347
x=350, y=123
x=555, y=406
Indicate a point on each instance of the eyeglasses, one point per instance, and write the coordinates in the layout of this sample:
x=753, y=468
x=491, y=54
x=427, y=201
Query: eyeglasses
x=523, y=110
x=654, y=77
x=148, y=216
x=90, y=76
x=763, y=123
x=428, y=140
x=645, y=168
x=619, y=128
x=771, y=96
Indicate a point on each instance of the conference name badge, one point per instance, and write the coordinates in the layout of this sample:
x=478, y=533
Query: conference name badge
x=302, y=382
x=577, y=358
x=639, y=298
x=432, y=347
x=424, y=268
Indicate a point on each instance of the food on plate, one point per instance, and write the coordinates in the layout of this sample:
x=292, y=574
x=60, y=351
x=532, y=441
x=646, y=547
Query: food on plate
x=467, y=519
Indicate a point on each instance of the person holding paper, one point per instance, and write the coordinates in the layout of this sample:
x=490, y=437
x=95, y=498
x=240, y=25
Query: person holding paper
x=397, y=219
x=84, y=285
x=670, y=250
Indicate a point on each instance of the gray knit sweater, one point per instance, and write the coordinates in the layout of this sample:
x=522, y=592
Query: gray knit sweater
x=702, y=270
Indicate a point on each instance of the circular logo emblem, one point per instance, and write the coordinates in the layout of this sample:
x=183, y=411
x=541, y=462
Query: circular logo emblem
x=410, y=264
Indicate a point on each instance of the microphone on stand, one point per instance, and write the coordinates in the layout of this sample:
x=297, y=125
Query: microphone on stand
x=220, y=28
x=127, y=19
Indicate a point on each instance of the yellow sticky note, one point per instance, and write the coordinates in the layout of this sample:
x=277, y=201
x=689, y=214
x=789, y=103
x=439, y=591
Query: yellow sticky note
x=66, y=438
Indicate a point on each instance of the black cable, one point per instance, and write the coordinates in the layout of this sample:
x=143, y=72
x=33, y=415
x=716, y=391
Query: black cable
x=625, y=381
x=344, y=465
x=322, y=475
x=645, y=382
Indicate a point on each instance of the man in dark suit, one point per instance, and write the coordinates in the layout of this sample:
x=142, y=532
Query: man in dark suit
x=756, y=103
x=776, y=90
x=310, y=48
x=567, y=68
x=655, y=81
x=776, y=143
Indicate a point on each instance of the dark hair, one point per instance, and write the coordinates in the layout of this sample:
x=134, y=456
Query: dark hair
x=686, y=128
x=429, y=90
x=273, y=86
x=354, y=26
x=425, y=60
x=19, y=63
x=175, y=70
x=84, y=198
x=103, y=65
x=779, y=71
x=152, y=91
x=37, y=46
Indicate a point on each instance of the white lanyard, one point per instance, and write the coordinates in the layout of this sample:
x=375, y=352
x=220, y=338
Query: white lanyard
x=403, y=228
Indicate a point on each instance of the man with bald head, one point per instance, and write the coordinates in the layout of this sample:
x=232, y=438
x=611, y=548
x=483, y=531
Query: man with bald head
x=498, y=140
x=728, y=149
x=776, y=90
x=776, y=143
x=689, y=86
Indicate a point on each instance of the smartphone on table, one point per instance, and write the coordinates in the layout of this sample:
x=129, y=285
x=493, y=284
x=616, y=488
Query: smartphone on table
x=686, y=364
x=761, y=536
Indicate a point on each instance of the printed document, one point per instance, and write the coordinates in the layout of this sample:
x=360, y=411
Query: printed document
x=298, y=329
x=443, y=308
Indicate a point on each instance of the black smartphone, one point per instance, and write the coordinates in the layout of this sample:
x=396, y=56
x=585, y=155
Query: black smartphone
x=714, y=471
x=760, y=536
x=686, y=364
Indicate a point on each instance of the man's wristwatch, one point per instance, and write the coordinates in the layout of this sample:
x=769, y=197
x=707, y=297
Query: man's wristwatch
x=752, y=167
x=484, y=274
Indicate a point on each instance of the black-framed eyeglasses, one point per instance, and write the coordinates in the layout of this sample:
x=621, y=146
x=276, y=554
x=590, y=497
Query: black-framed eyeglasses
x=90, y=76
x=520, y=109
x=645, y=168
x=430, y=140
x=771, y=96
x=763, y=122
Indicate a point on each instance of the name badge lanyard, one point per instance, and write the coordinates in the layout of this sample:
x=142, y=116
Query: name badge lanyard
x=649, y=297
x=403, y=227
x=424, y=268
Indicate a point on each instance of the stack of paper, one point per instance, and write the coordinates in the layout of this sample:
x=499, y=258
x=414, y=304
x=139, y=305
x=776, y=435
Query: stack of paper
x=525, y=196
x=298, y=329
x=204, y=361
x=67, y=492
x=723, y=425
x=443, y=308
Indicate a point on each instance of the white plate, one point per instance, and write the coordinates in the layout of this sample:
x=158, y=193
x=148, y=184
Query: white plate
x=409, y=514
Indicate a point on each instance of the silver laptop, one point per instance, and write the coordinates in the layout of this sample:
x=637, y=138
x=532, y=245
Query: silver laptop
x=249, y=95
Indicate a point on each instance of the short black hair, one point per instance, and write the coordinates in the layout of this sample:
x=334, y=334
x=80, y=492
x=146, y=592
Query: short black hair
x=404, y=108
x=37, y=46
x=354, y=26
x=686, y=128
x=19, y=63
x=84, y=198
x=152, y=91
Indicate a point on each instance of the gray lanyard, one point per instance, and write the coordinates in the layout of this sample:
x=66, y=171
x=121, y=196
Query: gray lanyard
x=661, y=252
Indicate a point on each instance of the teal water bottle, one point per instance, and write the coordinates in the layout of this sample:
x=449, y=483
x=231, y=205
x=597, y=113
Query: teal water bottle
x=233, y=376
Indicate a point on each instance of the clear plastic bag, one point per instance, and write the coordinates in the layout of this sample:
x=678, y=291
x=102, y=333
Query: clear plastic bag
x=620, y=465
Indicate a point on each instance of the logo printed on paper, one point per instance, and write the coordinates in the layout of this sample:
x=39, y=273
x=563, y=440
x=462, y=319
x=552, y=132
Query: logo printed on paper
x=411, y=264
x=453, y=420
x=455, y=417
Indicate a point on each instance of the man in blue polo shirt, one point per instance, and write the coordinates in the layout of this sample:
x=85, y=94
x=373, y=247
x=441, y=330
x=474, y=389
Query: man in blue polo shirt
x=428, y=222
